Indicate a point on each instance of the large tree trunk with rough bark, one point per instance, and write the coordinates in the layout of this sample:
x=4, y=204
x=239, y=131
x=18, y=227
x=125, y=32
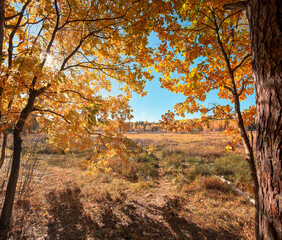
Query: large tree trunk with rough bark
x=265, y=19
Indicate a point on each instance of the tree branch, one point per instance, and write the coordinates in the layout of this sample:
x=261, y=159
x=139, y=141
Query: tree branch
x=39, y=91
x=11, y=37
x=53, y=34
x=52, y=112
x=242, y=62
x=240, y=5
x=229, y=16
x=78, y=93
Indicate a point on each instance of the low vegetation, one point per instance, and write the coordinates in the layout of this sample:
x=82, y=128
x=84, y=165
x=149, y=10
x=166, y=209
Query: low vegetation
x=171, y=193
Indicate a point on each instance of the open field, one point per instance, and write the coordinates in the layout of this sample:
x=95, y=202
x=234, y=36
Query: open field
x=169, y=194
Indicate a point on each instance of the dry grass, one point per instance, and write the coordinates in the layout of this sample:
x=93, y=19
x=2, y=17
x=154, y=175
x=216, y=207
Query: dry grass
x=171, y=194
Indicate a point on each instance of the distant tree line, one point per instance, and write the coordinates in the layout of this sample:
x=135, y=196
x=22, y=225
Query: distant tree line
x=214, y=125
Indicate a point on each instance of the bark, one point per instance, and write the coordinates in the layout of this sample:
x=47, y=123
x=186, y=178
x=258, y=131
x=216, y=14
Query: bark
x=240, y=5
x=265, y=28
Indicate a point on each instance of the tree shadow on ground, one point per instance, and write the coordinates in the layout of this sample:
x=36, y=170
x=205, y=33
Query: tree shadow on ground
x=68, y=219
x=134, y=221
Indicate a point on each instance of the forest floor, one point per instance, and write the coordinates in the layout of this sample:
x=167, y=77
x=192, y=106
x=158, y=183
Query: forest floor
x=64, y=201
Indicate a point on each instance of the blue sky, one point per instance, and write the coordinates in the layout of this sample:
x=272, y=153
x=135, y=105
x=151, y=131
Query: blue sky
x=159, y=100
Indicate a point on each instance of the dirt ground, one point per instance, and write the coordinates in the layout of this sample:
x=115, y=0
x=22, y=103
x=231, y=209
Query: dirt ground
x=69, y=203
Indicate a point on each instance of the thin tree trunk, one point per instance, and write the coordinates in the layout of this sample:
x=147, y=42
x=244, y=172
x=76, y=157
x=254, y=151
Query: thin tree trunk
x=11, y=188
x=246, y=141
x=2, y=27
x=250, y=159
x=13, y=179
x=3, y=150
x=265, y=20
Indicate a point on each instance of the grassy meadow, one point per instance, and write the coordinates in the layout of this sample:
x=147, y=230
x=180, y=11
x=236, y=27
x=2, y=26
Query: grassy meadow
x=172, y=193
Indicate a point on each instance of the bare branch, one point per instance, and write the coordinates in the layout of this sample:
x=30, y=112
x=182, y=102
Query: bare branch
x=37, y=37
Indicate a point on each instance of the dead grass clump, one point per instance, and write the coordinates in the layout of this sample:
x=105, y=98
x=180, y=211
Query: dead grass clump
x=143, y=167
x=193, y=186
x=46, y=150
x=207, y=183
x=102, y=197
x=124, y=168
x=144, y=185
x=61, y=161
x=213, y=183
x=106, y=178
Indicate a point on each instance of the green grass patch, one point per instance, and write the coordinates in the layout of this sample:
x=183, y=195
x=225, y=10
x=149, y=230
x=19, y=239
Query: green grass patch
x=183, y=168
x=233, y=167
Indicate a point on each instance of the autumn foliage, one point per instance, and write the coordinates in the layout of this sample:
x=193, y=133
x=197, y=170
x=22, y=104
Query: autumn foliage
x=205, y=49
x=56, y=58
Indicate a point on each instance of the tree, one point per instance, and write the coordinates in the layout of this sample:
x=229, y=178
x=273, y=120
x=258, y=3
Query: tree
x=57, y=56
x=266, y=40
x=205, y=48
x=267, y=71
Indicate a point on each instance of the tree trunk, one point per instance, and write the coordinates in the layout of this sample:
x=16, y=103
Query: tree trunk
x=2, y=27
x=250, y=158
x=3, y=150
x=13, y=179
x=11, y=188
x=265, y=19
x=246, y=141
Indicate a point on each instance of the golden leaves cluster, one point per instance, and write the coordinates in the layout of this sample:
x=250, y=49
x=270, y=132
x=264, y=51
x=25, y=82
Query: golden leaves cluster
x=66, y=55
x=204, y=49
